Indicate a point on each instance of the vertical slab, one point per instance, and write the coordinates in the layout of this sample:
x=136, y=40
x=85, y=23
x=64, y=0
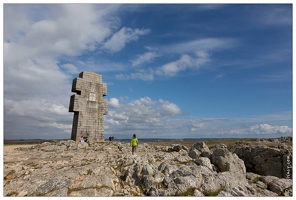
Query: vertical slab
x=88, y=106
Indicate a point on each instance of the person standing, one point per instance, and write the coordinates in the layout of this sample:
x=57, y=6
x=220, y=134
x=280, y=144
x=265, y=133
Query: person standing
x=134, y=143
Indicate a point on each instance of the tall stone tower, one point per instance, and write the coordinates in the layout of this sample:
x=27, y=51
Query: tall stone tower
x=88, y=106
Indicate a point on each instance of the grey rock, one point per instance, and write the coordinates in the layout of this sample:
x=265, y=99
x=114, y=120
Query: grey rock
x=177, y=148
x=100, y=169
x=261, y=185
x=199, y=149
x=268, y=179
x=199, y=145
x=236, y=191
x=82, y=145
x=226, y=161
x=204, y=161
x=198, y=193
x=62, y=192
x=147, y=170
x=264, y=160
x=53, y=148
x=194, y=153
x=252, y=176
x=279, y=186
x=183, y=159
x=167, y=168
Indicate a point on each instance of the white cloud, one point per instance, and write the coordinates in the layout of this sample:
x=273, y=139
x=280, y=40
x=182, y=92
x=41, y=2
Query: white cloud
x=274, y=16
x=204, y=45
x=169, y=69
x=159, y=119
x=257, y=130
x=118, y=40
x=36, y=118
x=72, y=69
x=39, y=109
x=30, y=61
x=169, y=109
x=145, y=101
x=199, y=49
x=144, y=58
x=65, y=32
x=269, y=129
x=29, y=78
x=142, y=114
x=185, y=62
x=114, y=103
x=120, y=116
x=67, y=128
x=193, y=55
x=142, y=74
x=18, y=22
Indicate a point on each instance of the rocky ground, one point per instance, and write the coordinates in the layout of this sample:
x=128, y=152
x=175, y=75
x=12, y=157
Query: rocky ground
x=261, y=167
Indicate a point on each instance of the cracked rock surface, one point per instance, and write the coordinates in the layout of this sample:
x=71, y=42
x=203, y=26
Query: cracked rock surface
x=69, y=168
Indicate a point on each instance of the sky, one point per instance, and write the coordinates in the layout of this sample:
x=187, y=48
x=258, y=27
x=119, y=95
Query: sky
x=172, y=70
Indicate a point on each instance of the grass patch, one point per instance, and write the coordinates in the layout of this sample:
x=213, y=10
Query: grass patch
x=255, y=180
x=189, y=192
x=89, y=172
x=184, y=163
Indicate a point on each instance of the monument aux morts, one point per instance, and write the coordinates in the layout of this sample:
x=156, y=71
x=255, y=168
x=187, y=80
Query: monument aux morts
x=88, y=106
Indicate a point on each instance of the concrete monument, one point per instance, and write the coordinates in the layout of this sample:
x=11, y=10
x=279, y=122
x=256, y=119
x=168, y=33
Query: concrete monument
x=88, y=106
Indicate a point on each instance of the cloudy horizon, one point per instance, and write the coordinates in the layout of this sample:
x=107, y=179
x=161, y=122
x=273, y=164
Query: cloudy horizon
x=172, y=71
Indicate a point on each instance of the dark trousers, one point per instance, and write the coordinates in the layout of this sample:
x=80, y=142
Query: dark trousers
x=134, y=148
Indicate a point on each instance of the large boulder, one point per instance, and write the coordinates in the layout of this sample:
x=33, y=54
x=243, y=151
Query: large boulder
x=199, y=149
x=167, y=168
x=227, y=161
x=265, y=160
x=177, y=148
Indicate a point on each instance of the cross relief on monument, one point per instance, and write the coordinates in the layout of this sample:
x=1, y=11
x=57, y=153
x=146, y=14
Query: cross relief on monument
x=88, y=106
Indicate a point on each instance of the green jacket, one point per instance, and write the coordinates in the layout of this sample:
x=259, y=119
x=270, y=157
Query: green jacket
x=134, y=142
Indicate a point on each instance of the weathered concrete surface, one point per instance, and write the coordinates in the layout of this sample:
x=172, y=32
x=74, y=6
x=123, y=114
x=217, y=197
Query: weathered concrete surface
x=88, y=106
x=69, y=168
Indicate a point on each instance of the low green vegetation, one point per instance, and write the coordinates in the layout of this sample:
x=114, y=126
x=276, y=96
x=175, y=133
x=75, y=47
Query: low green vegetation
x=89, y=172
x=255, y=180
x=189, y=192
